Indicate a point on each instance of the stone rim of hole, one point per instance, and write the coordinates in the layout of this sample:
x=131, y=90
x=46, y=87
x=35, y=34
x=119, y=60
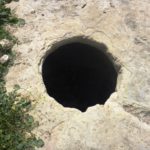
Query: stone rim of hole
x=85, y=40
x=56, y=44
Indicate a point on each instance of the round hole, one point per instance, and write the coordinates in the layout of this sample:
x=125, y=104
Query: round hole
x=79, y=75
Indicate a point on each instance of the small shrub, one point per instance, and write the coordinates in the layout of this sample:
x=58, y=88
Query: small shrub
x=16, y=124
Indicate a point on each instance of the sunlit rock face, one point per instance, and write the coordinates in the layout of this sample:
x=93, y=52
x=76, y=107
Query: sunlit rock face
x=123, y=121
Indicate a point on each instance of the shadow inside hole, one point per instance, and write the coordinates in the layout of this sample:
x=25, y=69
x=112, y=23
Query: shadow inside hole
x=79, y=75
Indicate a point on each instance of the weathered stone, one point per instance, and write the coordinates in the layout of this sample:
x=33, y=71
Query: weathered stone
x=6, y=43
x=124, y=27
x=4, y=59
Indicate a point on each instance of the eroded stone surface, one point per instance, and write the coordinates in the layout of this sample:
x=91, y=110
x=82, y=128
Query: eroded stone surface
x=4, y=59
x=124, y=27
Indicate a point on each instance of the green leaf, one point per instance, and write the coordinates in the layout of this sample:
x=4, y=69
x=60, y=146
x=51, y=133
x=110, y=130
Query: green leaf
x=30, y=119
x=16, y=87
x=39, y=143
x=7, y=137
x=21, y=22
x=20, y=146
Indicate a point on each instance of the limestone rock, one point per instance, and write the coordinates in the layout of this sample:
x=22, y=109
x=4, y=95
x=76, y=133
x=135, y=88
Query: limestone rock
x=123, y=123
x=4, y=59
x=6, y=43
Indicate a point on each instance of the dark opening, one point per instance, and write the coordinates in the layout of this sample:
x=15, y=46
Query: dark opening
x=79, y=75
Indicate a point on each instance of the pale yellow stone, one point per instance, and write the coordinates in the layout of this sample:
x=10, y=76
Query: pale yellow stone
x=123, y=123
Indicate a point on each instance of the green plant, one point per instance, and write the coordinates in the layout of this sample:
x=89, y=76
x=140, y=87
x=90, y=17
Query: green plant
x=6, y=17
x=16, y=124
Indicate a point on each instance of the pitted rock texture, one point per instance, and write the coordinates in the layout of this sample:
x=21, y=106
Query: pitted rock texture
x=123, y=123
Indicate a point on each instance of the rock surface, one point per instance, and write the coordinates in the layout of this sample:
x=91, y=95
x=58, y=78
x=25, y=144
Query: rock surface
x=4, y=59
x=6, y=43
x=123, y=123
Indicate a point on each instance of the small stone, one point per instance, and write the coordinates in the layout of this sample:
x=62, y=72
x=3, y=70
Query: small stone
x=5, y=43
x=4, y=59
